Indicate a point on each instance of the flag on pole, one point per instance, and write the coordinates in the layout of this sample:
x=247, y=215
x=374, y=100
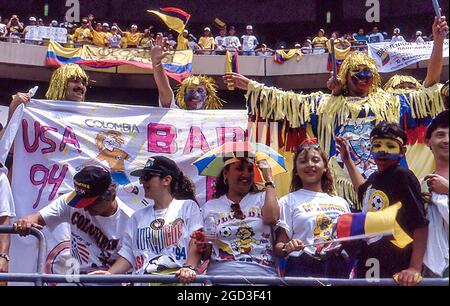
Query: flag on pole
x=173, y=17
x=232, y=65
x=372, y=223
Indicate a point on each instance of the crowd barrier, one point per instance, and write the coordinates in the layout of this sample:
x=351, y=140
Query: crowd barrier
x=40, y=278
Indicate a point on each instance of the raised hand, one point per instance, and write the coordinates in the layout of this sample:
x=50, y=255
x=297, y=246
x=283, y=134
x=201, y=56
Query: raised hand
x=238, y=80
x=159, y=52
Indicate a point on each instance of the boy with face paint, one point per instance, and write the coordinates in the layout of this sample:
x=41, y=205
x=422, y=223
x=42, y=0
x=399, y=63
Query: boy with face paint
x=389, y=185
x=194, y=93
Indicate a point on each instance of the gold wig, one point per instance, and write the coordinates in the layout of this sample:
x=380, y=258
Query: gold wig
x=60, y=78
x=396, y=80
x=353, y=62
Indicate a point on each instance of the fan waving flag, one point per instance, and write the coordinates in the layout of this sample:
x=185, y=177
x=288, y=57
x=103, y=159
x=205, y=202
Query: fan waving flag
x=173, y=17
x=372, y=223
x=231, y=66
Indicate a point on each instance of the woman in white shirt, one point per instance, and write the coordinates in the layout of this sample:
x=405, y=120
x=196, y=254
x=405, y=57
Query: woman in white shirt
x=244, y=218
x=308, y=216
x=158, y=238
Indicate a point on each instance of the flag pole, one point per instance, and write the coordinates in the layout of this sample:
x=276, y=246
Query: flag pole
x=437, y=8
x=333, y=58
x=352, y=238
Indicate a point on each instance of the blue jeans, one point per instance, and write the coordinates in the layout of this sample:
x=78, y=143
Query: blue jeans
x=335, y=266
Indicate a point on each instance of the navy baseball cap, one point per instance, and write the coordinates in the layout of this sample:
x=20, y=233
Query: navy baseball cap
x=159, y=165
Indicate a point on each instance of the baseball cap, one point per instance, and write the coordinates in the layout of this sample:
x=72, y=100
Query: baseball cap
x=249, y=27
x=396, y=30
x=297, y=45
x=134, y=26
x=90, y=183
x=32, y=19
x=185, y=31
x=159, y=165
x=54, y=22
x=207, y=29
x=113, y=28
x=418, y=33
x=106, y=25
x=322, y=30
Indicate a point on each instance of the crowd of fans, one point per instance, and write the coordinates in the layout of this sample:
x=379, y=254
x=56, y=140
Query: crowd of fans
x=103, y=34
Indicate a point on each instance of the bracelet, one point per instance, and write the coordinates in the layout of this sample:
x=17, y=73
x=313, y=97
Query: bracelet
x=5, y=256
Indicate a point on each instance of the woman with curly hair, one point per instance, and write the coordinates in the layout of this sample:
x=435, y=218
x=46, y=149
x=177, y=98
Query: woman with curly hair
x=308, y=215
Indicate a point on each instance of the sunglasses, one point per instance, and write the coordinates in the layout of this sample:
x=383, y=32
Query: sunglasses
x=237, y=211
x=147, y=177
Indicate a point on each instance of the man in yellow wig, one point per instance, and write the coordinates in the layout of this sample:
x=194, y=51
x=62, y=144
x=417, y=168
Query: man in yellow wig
x=194, y=93
x=356, y=105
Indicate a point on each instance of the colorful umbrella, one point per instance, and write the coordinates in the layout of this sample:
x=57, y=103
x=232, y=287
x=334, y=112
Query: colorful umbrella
x=212, y=163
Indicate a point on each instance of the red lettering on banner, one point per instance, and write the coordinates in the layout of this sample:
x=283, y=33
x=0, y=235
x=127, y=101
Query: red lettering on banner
x=225, y=134
x=69, y=137
x=48, y=141
x=196, y=140
x=49, y=177
x=26, y=142
x=210, y=188
x=161, y=138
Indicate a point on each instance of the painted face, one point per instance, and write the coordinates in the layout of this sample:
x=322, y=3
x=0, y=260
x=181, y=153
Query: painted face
x=386, y=152
x=240, y=177
x=360, y=80
x=310, y=166
x=75, y=90
x=196, y=97
x=438, y=143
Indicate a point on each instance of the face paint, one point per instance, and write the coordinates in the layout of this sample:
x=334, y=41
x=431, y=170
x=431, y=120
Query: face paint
x=197, y=95
x=385, y=148
x=362, y=75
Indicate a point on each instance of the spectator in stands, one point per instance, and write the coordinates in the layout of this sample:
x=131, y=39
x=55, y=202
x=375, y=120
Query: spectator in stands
x=92, y=202
x=206, y=42
x=375, y=36
x=232, y=42
x=115, y=38
x=349, y=37
x=15, y=29
x=98, y=36
x=132, y=38
x=264, y=51
x=340, y=42
x=147, y=41
x=170, y=40
x=397, y=37
x=7, y=211
x=244, y=217
x=307, y=47
x=220, y=41
x=70, y=36
x=3, y=29
x=33, y=22
x=41, y=22
x=361, y=37
x=83, y=34
x=436, y=258
x=419, y=38
x=312, y=185
x=54, y=24
x=183, y=41
x=319, y=42
x=193, y=45
x=249, y=42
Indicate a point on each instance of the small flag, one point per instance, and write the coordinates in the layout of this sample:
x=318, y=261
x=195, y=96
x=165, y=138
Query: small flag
x=281, y=56
x=231, y=66
x=372, y=223
x=173, y=17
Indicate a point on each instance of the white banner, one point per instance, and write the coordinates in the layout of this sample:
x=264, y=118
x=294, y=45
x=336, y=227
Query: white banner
x=393, y=57
x=38, y=33
x=58, y=138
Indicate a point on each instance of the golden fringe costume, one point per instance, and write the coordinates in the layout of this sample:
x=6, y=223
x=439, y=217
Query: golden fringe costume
x=213, y=101
x=286, y=119
x=396, y=80
x=60, y=78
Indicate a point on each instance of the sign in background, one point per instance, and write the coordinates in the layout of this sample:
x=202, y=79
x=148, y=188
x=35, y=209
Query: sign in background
x=38, y=33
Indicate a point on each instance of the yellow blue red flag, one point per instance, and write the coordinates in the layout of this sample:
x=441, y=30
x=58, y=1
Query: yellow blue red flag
x=173, y=17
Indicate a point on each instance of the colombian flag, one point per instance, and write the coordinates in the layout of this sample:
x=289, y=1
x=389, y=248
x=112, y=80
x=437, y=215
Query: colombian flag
x=232, y=65
x=173, y=17
x=281, y=56
x=373, y=223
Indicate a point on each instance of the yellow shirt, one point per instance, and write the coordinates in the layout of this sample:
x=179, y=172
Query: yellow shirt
x=98, y=38
x=82, y=35
x=206, y=42
x=133, y=39
x=319, y=42
x=183, y=43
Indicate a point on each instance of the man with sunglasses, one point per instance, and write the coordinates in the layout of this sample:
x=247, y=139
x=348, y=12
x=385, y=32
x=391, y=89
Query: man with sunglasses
x=96, y=216
x=356, y=104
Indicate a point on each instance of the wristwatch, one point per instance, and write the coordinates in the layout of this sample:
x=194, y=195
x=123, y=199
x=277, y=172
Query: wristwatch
x=5, y=256
x=272, y=184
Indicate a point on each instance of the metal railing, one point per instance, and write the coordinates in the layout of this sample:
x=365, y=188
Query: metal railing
x=40, y=277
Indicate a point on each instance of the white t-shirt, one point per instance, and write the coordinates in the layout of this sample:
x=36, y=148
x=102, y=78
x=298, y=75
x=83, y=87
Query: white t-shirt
x=173, y=103
x=232, y=43
x=95, y=240
x=249, y=42
x=6, y=198
x=3, y=29
x=248, y=241
x=159, y=240
x=220, y=42
x=396, y=38
x=309, y=216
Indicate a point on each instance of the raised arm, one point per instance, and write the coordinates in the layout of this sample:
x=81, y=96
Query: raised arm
x=165, y=92
x=440, y=31
x=355, y=175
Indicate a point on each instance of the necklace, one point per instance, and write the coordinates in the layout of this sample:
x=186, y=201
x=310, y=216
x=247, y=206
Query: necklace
x=158, y=222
